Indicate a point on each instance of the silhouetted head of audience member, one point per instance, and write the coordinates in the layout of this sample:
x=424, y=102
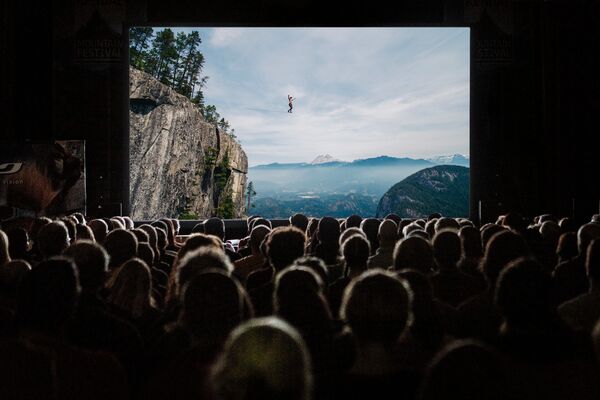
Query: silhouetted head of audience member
x=176, y=226
x=464, y=370
x=198, y=241
x=99, y=228
x=4, y=248
x=426, y=326
x=48, y=297
x=401, y=226
x=71, y=227
x=130, y=289
x=170, y=230
x=298, y=298
x=430, y=227
x=216, y=227
x=377, y=307
x=213, y=305
x=313, y=224
x=514, y=221
x=419, y=233
x=350, y=232
x=388, y=233
x=160, y=224
x=550, y=232
x=198, y=228
x=353, y=221
x=205, y=259
x=116, y=223
x=470, y=242
x=36, y=225
x=84, y=232
x=141, y=235
x=567, y=246
x=504, y=247
x=53, y=239
x=488, y=231
x=292, y=285
x=585, y=235
x=128, y=222
x=328, y=230
x=91, y=261
x=462, y=222
x=300, y=221
x=121, y=246
x=11, y=275
x=446, y=249
x=394, y=217
x=414, y=253
x=264, y=358
x=146, y=253
x=258, y=234
x=370, y=226
x=567, y=225
x=316, y=264
x=410, y=228
x=79, y=217
x=284, y=246
x=262, y=221
x=356, y=251
x=595, y=218
x=18, y=243
x=446, y=223
x=249, y=222
x=161, y=240
x=592, y=264
x=525, y=296
x=152, y=235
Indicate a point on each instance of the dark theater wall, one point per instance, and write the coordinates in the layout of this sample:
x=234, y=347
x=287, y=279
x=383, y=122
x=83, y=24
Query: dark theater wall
x=535, y=92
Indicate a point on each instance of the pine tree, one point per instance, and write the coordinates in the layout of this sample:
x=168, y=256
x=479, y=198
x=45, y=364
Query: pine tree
x=249, y=193
x=224, y=125
x=163, y=56
x=139, y=42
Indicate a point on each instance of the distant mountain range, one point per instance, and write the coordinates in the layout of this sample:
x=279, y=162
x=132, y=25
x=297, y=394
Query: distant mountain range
x=331, y=186
x=329, y=161
x=443, y=189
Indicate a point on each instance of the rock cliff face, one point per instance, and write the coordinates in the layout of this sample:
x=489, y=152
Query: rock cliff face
x=443, y=189
x=179, y=164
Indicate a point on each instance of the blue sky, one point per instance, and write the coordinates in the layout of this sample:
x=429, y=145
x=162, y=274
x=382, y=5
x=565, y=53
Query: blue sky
x=360, y=92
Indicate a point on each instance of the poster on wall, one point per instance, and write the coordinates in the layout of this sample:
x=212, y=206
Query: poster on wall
x=42, y=178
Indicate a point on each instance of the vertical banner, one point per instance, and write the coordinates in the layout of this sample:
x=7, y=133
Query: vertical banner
x=42, y=178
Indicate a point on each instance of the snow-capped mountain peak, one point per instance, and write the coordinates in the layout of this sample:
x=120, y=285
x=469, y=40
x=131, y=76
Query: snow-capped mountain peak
x=321, y=159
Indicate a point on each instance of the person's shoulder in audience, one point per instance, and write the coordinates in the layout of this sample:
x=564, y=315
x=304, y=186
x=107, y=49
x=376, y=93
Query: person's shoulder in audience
x=582, y=312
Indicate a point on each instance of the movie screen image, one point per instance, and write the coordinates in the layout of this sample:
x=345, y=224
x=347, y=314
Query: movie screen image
x=232, y=122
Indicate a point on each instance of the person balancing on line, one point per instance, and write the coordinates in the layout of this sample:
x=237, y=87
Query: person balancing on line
x=290, y=99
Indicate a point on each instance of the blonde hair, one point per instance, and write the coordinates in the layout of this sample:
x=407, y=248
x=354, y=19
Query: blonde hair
x=263, y=358
x=131, y=288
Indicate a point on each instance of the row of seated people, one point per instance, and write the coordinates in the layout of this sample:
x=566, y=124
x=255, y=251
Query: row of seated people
x=432, y=308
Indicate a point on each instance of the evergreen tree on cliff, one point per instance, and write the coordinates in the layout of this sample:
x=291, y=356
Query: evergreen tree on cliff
x=139, y=39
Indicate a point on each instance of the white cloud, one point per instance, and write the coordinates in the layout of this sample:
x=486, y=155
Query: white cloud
x=222, y=37
x=360, y=92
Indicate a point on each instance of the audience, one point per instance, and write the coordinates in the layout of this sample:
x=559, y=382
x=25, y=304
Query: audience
x=433, y=308
x=582, y=312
